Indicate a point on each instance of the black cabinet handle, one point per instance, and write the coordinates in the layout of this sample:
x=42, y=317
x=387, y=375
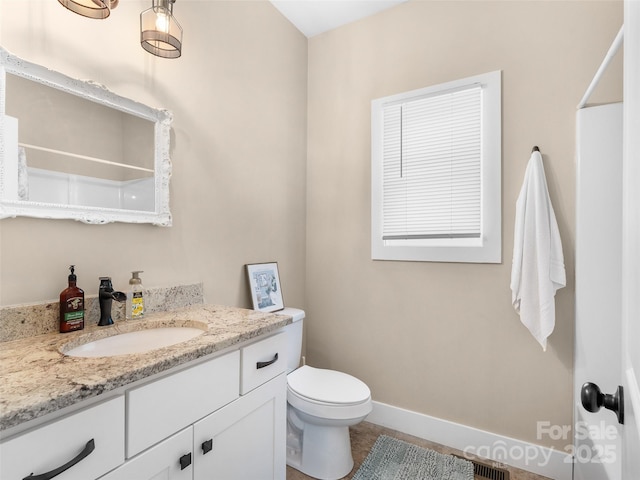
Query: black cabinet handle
x=185, y=461
x=260, y=365
x=207, y=446
x=88, y=448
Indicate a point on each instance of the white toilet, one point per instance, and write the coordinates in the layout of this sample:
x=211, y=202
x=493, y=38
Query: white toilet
x=321, y=405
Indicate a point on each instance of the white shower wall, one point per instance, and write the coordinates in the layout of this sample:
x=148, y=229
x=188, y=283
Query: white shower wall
x=46, y=186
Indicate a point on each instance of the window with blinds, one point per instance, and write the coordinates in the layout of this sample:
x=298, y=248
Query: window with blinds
x=431, y=162
x=435, y=172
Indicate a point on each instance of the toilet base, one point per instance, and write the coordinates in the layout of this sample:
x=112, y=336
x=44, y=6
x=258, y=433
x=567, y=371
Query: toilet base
x=326, y=454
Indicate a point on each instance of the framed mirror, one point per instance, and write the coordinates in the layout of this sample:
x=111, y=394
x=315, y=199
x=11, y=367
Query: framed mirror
x=72, y=149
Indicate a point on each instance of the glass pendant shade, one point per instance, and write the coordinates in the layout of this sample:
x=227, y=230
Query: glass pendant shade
x=160, y=33
x=99, y=9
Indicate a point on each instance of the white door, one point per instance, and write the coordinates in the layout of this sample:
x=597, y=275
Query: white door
x=631, y=244
x=608, y=277
x=598, y=286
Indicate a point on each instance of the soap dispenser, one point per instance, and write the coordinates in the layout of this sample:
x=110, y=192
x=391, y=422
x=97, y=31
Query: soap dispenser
x=71, y=305
x=135, y=299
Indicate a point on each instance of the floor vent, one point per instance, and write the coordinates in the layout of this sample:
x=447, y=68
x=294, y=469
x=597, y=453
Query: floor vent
x=485, y=471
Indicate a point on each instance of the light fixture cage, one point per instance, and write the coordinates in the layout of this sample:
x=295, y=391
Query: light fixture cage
x=160, y=32
x=99, y=9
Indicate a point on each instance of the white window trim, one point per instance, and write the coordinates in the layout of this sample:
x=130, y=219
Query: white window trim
x=486, y=249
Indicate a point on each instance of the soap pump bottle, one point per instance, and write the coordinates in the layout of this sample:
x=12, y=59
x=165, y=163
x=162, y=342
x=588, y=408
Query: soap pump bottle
x=135, y=300
x=71, y=305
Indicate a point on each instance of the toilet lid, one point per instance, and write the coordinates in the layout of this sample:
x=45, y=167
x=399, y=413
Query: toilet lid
x=327, y=386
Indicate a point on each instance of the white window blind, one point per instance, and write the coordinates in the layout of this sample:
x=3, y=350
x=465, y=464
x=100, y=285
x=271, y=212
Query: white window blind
x=432, y=152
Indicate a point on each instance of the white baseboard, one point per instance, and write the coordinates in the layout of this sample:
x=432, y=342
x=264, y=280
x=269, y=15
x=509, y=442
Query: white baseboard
x=527, y=456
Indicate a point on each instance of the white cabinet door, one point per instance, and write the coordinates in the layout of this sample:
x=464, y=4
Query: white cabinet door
x=169, y=460
x=246, y=439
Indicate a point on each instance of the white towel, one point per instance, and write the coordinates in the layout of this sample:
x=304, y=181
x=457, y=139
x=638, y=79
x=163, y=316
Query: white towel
x=538, y=263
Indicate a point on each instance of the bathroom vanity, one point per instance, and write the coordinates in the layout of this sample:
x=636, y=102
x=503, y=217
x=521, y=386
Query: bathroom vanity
x=210, y=407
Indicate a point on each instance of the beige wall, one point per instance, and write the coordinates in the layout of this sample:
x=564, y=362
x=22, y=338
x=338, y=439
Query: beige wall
x=441, y=338
x=238, y=95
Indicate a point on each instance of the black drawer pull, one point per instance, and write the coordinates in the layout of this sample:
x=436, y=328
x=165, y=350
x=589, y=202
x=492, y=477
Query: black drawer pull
x=260, y=365
x=88, y=448
x=207, y=446
x=185, y=461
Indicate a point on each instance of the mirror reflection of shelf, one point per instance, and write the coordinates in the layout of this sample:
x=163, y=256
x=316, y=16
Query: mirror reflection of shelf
x=84, y=157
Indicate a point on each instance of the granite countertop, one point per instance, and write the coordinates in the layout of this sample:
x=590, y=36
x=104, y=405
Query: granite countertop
x=36, y=378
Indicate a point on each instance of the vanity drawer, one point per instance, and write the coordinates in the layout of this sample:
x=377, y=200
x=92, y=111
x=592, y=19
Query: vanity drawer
x=97, y=432
x=263, y=360
x=158, y=409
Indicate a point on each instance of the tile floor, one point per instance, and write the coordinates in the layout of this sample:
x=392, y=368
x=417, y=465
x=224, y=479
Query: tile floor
x=364, y=435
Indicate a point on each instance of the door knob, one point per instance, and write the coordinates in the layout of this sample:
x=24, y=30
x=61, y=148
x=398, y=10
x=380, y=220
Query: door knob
x=593, y=399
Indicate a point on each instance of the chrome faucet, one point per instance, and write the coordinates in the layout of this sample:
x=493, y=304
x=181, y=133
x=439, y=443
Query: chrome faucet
x=106, y=295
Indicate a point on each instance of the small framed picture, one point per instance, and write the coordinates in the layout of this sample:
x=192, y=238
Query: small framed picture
x=264, y=283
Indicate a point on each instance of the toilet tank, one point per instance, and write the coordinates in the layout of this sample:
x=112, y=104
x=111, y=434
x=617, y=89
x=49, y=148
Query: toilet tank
x=294, y=336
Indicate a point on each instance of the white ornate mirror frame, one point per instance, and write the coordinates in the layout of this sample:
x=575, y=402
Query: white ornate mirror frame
x=10, y=203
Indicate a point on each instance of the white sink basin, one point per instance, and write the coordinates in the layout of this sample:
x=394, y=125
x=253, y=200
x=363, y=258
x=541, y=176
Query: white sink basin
x=135, y=342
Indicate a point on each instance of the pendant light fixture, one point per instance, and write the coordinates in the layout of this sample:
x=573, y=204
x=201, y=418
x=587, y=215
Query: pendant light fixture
x=160, y=33
x=99, y=9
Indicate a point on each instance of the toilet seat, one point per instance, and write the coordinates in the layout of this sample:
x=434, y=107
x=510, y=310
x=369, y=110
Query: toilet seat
x=328, y=394
x=327, y=386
